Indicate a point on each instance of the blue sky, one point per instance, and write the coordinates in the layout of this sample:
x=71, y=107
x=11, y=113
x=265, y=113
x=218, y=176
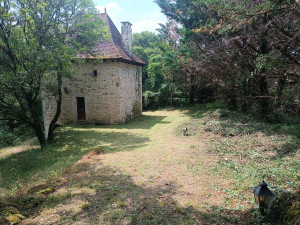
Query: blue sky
x=143, y=14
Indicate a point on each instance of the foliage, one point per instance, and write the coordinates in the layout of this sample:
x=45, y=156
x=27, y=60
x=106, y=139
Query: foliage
x=153, y=100
x=248, y=52
x=12, y=133
x=162, y=77
x=150, y=100
x=6, y=137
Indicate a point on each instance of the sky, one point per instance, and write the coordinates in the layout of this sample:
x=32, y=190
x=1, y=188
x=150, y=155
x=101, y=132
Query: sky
x=143, y=14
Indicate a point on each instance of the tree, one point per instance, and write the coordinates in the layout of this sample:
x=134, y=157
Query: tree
x=249, y=49
x=145, y=45
x=160, y=53
x=38, y=39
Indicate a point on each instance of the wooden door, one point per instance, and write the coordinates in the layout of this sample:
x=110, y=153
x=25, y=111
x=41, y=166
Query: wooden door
x=81, y=108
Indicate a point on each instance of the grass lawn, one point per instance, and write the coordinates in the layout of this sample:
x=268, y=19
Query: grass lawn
x=147, y=172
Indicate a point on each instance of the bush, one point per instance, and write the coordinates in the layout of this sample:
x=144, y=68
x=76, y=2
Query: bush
x=164, y=95
x=153, y=100
x=6, y=137
x=150, y=100
x=12, y=132
x=180, y=102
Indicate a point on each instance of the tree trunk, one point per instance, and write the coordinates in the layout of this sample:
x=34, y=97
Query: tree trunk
x=263, y=80
x=264, y=101
x=39, y=132
x=172, y=86
x=186, y=89
x=244, y=105
x=232, y=101
x=192, y=92
x=280, y=87
x=58, y=105
x=37, y=124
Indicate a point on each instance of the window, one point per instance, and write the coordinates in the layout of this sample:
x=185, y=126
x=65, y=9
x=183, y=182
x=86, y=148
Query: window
x=95, y=73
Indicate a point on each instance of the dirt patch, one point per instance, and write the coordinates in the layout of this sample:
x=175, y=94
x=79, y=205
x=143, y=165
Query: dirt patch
x=95, y=152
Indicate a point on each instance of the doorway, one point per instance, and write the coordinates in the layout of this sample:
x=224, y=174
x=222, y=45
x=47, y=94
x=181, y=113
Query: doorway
x=81, y=108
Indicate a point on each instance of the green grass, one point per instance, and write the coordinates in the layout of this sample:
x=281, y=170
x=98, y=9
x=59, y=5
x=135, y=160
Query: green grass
x=147, y=172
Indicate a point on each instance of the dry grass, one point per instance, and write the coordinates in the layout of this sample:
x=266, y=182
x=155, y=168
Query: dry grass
x=144, y=172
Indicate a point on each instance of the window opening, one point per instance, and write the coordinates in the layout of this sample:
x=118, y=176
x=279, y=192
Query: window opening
x=95, y=73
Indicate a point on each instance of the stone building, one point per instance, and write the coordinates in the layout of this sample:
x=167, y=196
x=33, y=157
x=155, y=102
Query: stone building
x=106, y=91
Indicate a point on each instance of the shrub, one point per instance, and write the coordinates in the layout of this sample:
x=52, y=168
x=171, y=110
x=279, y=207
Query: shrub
x=12, y=132
x=164, y=95
x=150, y=100
x=6, y=137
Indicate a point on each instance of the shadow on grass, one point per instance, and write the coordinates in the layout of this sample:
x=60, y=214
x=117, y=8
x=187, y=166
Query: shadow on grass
x=106, y=196
x=69, y=147
x=142, y=122
x=95, y=194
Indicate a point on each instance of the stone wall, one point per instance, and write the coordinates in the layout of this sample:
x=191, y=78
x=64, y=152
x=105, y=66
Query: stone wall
x=131, y=92
x=131, y=89
x=114, y=96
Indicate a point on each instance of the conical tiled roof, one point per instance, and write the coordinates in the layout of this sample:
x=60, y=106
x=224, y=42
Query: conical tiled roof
x=112, y=48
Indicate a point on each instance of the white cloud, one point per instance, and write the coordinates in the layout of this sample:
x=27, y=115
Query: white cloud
x=145, y=25
x=150, y=24
x=112, y=8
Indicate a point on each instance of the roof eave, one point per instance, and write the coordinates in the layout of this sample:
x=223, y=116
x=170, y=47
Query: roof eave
x=105, y=59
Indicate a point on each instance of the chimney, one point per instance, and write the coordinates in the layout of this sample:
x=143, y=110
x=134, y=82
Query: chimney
x=127, y=37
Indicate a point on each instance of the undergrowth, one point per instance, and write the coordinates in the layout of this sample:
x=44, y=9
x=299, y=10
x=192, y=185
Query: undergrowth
x=13, y=134
x=250, y=150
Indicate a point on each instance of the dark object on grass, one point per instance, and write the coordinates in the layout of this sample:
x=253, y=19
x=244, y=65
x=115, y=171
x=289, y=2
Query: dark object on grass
x=185, y=130
x=262, y=195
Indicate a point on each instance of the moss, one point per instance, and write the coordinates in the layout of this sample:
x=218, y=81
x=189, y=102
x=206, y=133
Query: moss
x=136, y=108
x=46, y=191
x=9, y=210
x=14, y=218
